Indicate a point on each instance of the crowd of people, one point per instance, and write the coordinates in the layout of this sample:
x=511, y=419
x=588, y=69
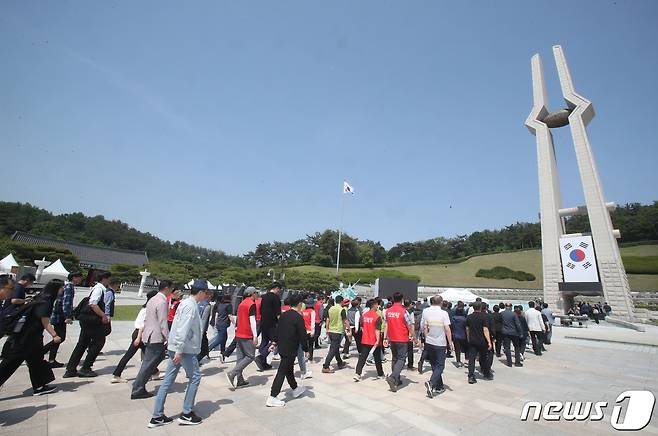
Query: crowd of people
x=172, y=331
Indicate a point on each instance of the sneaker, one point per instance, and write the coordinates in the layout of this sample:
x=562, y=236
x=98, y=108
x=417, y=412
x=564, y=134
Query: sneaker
x=142, y=396
x=43, y=390
x=241, y=384
x=518, y=365
x=357, y=378
x=274, y=402
x=298, y=391
x=117, y=379
x=439, y=391
x=429, y=389
x=56, y=364
x=346, y=356
x=342, y=365
x=370, y=362
x=70, y=374
x=327, y=371
x=87, y=373
x=307, y=374
x=392, y=384
x=189, y=419
x=230, y=377
x=268, y=360
x=471, y=380
x=160, y=421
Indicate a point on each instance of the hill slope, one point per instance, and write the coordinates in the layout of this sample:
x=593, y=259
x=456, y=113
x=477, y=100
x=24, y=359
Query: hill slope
x=463, y=274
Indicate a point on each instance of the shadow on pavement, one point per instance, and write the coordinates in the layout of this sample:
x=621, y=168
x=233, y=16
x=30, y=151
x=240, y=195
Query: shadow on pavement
x=206, y=408
x=20, y=414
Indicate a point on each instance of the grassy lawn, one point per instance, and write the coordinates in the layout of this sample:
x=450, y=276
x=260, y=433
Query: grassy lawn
x=463, y=274
x=126, y=313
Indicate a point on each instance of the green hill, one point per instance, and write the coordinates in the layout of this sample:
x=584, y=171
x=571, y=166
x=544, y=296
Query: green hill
x=463, y=274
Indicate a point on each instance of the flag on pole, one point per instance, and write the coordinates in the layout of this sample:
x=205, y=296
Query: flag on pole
x=347, y=188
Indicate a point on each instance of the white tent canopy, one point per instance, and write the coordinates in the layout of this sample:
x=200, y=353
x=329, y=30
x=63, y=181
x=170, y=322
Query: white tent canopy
x=55, y=271
x=208, y=284
x=457, y=294
x=8, y=263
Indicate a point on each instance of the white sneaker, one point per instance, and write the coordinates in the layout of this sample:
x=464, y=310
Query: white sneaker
x=298, y=391
x=357, y=378
x=117, y=379
x=269, y=359
x=307, y=374
x=274, y=402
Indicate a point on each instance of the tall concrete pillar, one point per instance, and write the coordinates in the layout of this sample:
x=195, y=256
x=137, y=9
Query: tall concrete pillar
x=549, y=190
x=614, y=281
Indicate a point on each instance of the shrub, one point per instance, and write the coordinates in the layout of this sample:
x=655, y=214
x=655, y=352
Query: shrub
x=501, y=272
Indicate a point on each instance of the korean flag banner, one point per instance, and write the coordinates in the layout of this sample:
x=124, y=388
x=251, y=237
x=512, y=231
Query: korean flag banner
x=578, y=259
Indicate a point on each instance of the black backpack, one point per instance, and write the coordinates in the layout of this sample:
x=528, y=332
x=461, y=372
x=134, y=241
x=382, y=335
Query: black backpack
x=83, y=313
x=14, y=322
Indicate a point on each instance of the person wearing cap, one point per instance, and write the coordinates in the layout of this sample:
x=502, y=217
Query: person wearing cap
x=246, y=339
x=183, y=347
x=154, y=336
x=136, y=342
x=61, y=316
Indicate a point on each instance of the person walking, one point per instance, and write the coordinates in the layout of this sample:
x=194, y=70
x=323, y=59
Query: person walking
x=479, y=342
x=62, y=316
x=183, y=347
x=398, y=331
x=498, y=329
x=512, y=333
x=222, y=323
x=26, y=344
x=246, y=339
x=458, y=329
x=154, y=336
x=548, y=313
x=435, y=324
x=536, y=327
x=270, y=309
x=318, y=320
x=135, y=344
x=290, y=336
x=309, y=315
x=371, y=334
x=93, y=330
x=337, y=325
x=354, y=318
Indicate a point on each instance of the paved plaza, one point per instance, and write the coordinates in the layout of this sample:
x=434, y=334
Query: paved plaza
x=584, y=369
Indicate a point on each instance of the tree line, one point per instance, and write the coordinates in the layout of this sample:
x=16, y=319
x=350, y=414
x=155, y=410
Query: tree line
x=636, y=222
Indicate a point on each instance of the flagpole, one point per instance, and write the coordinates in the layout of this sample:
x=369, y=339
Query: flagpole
x=340, y=230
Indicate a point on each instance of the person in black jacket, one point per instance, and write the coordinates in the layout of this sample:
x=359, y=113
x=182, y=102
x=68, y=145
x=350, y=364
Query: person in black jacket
x=498, y=328
x=290, y=335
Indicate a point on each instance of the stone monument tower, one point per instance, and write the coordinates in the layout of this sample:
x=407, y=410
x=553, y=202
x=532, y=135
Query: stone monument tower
x=565, y=257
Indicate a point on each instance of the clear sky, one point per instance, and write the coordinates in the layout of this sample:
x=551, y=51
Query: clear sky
x=229, y=123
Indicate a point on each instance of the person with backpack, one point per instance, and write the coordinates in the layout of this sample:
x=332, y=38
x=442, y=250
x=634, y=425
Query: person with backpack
x=62, y=316
x=25, y=342
x=94, y=325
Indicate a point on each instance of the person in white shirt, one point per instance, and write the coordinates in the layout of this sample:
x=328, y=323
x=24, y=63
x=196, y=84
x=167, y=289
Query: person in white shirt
x=536, y=327
x=435, y=325
x=135, y=344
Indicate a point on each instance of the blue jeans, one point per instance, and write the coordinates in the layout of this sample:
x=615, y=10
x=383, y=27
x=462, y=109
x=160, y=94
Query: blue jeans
x=301, y=360
x=191, y=366
x=219, y=339
x=437, y=358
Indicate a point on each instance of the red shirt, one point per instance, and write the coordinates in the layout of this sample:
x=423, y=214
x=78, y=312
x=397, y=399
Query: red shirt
x=396, y=325
x=307, y=313
x=285, y=308
x=371, y=323
x=258, y=300
x=173, y=305
x=318, y=307
x=243, y=329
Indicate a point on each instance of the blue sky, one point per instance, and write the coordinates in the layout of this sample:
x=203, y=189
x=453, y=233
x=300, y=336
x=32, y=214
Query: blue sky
x=226, y=124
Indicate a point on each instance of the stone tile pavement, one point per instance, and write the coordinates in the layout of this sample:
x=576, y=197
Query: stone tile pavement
x=573, y=370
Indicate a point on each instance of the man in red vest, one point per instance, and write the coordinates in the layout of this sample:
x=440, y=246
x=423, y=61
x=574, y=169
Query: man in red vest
x=246, y=336
x=399, y=330
x=309, y=323
x=371, y=329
